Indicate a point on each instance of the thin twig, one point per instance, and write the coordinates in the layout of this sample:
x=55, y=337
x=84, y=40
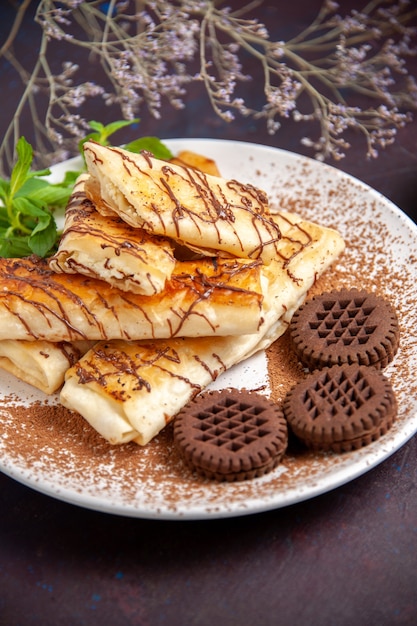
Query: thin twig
x=15, y=27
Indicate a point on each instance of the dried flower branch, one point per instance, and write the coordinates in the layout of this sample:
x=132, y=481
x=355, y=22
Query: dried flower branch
x=150, y=51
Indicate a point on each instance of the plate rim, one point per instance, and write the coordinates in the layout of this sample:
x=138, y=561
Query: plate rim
x=200, y=512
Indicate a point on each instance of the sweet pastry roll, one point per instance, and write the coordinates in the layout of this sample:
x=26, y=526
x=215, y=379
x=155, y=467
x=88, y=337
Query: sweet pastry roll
x=41, y=364
x=202, y=298
x=209, y=214
x=107, y=248
x=188, y=158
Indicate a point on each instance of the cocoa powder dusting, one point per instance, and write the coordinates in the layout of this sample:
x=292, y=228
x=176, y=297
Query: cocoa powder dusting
x=56, y=449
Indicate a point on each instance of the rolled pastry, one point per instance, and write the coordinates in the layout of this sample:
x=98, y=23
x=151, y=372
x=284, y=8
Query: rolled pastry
x=41, y=364
x=188, y=158
x=107, y=248
x=202, y=298
x=131, y=390
x=209, y=214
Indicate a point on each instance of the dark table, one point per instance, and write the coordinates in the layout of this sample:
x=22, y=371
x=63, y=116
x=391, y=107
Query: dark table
x=349, y=556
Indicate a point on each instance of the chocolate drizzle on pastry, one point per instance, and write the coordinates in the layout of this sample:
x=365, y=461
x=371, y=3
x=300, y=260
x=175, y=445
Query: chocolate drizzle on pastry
x=206, y=213
x=38, y=303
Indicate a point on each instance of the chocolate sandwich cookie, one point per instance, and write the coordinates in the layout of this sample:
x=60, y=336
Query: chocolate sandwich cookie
x=231, y=435
x=341, y=408
x=345, y=326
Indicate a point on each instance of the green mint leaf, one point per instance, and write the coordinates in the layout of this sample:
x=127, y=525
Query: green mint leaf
x=22, y=166
x=43, y=224
x=103, y=132
x=113, y=127
x=4, y=190
x=25, y=206
x=97, y=126
x=4, y=219
x=37, y=222
x=151, y=144
x=70, y=178
x=13, y=247
x=44, y=236
x=4, y=187
x=38, y=173
x=43, y=193
x=92, y=136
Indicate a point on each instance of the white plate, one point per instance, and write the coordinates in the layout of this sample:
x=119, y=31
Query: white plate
x=148, y=482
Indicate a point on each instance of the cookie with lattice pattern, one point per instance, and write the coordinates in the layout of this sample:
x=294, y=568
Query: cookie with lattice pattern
x=341, y=408
x=231, y=435
x=345, y=326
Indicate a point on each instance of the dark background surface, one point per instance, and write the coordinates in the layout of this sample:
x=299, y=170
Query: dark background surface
x=349, y=556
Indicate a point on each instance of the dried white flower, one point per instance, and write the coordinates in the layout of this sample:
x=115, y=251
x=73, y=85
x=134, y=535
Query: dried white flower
x=152, y=50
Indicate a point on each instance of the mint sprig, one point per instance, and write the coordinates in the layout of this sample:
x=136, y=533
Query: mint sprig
x=27, y=224
x=101, y=134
